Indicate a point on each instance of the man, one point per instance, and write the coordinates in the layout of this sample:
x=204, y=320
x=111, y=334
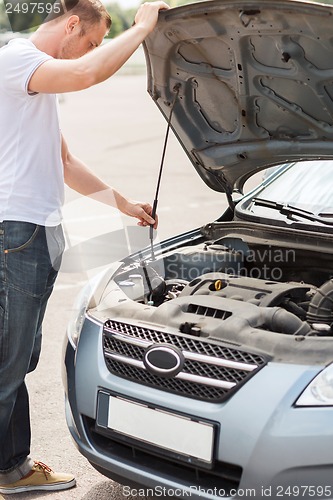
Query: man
x=34, y=163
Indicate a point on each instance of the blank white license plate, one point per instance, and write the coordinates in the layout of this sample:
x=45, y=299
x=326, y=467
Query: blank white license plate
x=159, y=428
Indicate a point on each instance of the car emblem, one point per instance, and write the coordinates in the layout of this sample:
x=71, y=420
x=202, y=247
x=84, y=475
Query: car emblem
x=163, y=360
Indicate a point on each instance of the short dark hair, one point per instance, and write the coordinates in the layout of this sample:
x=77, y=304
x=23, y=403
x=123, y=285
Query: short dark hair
x=90, y=12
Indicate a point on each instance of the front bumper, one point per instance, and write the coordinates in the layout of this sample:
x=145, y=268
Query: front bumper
x=264, y=445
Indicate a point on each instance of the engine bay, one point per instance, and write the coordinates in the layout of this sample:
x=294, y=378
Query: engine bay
x=244, y=291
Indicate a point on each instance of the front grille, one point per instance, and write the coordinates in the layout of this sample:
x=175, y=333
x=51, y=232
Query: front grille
x=210, y=372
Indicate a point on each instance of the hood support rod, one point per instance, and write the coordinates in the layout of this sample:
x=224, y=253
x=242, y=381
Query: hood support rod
x=176, y=89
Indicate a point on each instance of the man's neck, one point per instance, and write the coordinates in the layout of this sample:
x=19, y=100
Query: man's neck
x=47, y=39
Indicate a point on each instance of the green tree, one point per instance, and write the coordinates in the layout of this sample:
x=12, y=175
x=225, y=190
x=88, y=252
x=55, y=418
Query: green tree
x=4, y=23
x=120, y=19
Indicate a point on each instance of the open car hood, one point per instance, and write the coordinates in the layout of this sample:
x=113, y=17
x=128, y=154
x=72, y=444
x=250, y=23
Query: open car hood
x=251, y=83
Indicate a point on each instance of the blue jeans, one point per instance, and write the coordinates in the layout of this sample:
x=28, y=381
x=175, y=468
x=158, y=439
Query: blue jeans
x=30, y=257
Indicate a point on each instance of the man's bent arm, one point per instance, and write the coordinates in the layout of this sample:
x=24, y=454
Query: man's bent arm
x=84, y=181
x=59, y=75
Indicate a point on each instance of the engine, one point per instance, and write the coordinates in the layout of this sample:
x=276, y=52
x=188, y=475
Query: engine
x=212, y=289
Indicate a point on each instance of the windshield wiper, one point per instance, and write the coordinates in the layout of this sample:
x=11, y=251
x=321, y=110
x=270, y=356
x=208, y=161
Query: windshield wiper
x=291, y=212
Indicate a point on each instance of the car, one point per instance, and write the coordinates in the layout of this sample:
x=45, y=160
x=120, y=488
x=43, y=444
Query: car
x=202, y=367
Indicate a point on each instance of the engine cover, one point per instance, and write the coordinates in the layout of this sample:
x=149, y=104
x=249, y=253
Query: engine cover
x=255, y=291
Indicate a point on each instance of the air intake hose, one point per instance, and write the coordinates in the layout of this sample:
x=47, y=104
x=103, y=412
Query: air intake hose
x=279, y=320
x=321, y=306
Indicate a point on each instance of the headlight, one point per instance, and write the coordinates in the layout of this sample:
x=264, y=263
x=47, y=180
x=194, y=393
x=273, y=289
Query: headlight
x=320, y=391
x=78, y=315
x=90, y=296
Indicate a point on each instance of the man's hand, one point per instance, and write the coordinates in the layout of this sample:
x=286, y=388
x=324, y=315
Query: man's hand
x=141, y=211
x=147, y=15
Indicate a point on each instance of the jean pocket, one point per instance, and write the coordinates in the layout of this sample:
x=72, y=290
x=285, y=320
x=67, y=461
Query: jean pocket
x=19, y=235
x=3, y=337
x=28, y=265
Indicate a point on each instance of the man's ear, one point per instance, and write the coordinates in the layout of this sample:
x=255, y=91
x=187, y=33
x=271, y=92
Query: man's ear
x=72, y=23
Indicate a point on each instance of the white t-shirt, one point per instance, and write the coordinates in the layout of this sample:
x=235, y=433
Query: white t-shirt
x=31, y=169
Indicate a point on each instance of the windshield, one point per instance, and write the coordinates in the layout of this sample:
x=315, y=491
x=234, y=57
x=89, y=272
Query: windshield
x=306, y=185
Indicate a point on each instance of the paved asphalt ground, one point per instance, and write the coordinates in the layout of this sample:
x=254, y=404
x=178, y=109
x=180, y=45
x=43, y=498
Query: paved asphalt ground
x=118, y=131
